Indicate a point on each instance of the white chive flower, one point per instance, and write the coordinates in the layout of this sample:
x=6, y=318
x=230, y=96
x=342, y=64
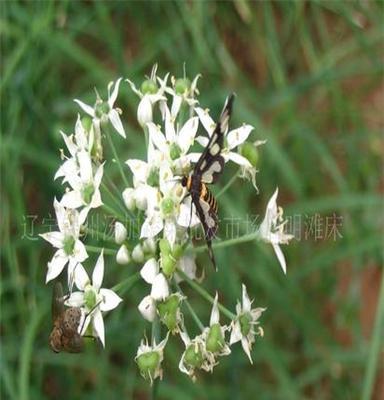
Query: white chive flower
x=105, y=111
x=71, y=250
x=242, y=328
x=271, y=229
x=93, y=298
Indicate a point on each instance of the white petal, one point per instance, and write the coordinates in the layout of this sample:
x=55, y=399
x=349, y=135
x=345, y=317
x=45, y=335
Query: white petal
x=55, y=238
x=98, y=175
x=112, y=97
x=188, y=265
x=247, y=348
x=96, y=200
x=137, y=254
x=160, y=287
x=176, y=103
x=129, y=199
x=79, y=251
x=60, y=215
x=76, y=299
x=114, y=117
x=120, y=233
x=187, y=134
x=208, y=123
x=139, y=168
x=150, y=270
x=170, y=232
x=170, y=133
x=122, y=256
x=238, y=136
x=151, y=226
x=238, y=159
x=246, y=303
x=270, y=217
x=110, y=300
x=56, y=265
x=235, y=333
x=203, y=140
x=85, y=163
x=98, y=272
x=71, y=146
x=185, y=218
x=133, y=87
x=81, y=277
x=144, y=111
x=157, y=137
x=147, y=308
x=215, y=315
x=193, y=157
x=98, y=326
x=88, y=109
x=80, y=135
x=72, y=199
x=68, y=168
x=280, y=257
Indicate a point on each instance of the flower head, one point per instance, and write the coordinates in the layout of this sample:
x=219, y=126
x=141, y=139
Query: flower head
x=242, y=328
x=93, y=298
x=272, y=229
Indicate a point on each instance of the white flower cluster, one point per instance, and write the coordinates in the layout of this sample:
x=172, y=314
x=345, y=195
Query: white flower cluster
x=82, y=173
x=170, y=116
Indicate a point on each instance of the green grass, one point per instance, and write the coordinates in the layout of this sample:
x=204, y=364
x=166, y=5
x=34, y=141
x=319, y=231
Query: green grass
x=309, y=77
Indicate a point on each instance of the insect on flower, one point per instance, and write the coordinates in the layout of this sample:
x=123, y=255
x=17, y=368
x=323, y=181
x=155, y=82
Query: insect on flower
x=65, y=335
x=207, y=170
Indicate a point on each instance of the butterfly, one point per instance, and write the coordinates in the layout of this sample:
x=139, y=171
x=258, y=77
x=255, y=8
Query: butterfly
x=207, y=171
x=65, y=335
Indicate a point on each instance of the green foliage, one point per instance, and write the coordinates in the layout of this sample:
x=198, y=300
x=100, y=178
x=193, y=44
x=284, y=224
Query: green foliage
x=309, y=78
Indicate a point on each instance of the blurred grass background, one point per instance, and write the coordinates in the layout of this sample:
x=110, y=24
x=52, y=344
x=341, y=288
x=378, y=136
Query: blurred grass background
x=309, y=77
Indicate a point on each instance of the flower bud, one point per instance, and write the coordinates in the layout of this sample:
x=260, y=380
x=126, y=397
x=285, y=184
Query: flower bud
x=120, y=233
x=160, y=287
x=169, y=311
x=215, y=339
x=250, y=152
x=245, y=323
x=129, y=198
x=147, y=308
x=138, y=254
x=149, y=246
x=122, y=256
x=144, y=111
x=87, y=123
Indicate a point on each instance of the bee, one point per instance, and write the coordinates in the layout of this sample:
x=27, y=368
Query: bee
x=207, y=170
x=66, y=321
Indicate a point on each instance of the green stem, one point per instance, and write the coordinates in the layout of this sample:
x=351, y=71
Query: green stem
x=125, y=285
x=99, y=235
x=205, y=295
x=190, y=309
x=95, y=249
x=113, y=212
x=228, y=184
x=226, y=243
x=114, y=198
x=110, y=141
x=155, y=339
x=376, y=346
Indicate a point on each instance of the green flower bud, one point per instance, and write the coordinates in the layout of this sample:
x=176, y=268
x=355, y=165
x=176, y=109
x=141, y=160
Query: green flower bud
x=215, y=339
x=250, y=152
x=148, y=364
x=168, y=311
x=87, y=192
x=90, y=298
x=87, y=123
x=194, y=356
x=69, y=245
x=245, y=323
x=153, y=178
x=165, y=247
x=174, y=151
x=168, y=265
x=167, y=206
x=182, y=85
x=149, y=86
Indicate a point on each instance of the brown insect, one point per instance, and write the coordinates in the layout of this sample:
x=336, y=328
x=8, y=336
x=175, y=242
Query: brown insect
x=66, y=321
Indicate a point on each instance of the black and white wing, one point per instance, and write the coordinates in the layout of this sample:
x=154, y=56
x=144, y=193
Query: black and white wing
x=211, y=163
